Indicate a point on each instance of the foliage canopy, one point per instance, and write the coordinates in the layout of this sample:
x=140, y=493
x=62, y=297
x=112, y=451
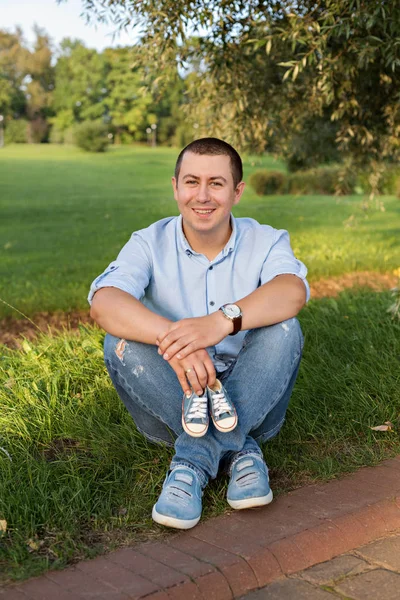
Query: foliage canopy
x=269, y=67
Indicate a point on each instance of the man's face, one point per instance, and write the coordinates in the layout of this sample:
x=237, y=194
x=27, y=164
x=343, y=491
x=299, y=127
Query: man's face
x=205, y=192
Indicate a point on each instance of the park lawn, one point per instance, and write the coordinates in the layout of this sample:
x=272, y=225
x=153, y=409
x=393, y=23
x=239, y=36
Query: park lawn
x=78, y=479
x=65, y=214
x=75, y=476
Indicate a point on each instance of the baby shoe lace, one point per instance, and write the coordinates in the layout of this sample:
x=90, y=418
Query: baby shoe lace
x=220, y=404
x=198, y=409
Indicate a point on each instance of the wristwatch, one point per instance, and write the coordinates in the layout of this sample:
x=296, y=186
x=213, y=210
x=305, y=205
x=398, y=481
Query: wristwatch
x=233, y=313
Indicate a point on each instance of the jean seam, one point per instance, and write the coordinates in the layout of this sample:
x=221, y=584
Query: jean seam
x=154, y=439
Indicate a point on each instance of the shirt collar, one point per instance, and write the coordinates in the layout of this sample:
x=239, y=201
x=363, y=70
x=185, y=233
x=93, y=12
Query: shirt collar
x=186, y=247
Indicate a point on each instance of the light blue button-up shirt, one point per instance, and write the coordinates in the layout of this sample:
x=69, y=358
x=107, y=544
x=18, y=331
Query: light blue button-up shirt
x=158, y=267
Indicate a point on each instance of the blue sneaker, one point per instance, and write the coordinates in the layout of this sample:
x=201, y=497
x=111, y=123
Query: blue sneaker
x=223, y=413
x=249, y=482
x=179, y=504
x=195, y=414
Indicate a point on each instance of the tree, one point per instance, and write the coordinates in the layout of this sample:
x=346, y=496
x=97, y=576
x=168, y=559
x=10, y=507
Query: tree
x=39, y=76
x=38, y=86
x=128, y=99
x=13, y=62
x=80, y=81
x=270, y=65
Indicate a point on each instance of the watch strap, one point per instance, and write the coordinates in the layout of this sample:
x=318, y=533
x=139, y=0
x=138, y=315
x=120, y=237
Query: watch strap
x=237, y=325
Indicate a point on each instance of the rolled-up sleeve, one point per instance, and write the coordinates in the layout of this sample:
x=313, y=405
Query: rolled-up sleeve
x=130, y=272
x=281, y=261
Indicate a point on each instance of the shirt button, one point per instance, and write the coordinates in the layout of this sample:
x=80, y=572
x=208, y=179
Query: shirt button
x=212, y=303
x=210, y=268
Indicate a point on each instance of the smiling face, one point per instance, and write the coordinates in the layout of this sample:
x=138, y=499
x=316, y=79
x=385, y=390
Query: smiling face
x=205, y=194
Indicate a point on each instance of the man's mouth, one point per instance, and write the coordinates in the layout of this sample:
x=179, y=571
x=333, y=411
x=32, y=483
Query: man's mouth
x=203, y=211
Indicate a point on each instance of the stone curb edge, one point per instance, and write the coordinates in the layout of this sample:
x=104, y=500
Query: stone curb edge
x=331, y=538
x=170, y=570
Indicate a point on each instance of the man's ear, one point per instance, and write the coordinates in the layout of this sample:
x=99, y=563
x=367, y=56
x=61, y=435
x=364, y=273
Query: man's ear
x=175, y=187
x=239, y=191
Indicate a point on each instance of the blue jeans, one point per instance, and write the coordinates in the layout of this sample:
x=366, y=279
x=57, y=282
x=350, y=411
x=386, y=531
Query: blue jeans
x=259, y=383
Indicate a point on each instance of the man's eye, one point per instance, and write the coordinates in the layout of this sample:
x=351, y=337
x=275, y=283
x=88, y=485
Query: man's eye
x=216, y=183
x=191, y=181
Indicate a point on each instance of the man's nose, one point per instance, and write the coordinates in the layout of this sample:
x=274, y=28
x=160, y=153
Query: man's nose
x=203, y=193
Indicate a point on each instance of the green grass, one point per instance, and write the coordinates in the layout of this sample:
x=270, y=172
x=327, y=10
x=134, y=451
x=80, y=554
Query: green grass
x=76, y=478
x=81, y=478
x=66, y=214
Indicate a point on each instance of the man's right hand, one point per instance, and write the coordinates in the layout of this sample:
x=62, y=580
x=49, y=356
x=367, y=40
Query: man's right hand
x=195, y=370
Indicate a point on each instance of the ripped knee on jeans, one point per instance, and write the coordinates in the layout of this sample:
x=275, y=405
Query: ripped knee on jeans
x=120, y=349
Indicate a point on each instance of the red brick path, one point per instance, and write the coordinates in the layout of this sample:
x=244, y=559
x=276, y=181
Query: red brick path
x=231, y=555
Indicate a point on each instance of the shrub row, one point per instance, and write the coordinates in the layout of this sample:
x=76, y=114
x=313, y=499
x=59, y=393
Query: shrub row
x=322, y=180
x=89, y=135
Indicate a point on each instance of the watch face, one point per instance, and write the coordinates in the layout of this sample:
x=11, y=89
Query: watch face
x=232, y=310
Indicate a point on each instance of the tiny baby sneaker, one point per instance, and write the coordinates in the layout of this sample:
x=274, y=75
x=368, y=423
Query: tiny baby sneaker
x=195, y=417
x=223, y=413
x=249, y=482
x=179, y=504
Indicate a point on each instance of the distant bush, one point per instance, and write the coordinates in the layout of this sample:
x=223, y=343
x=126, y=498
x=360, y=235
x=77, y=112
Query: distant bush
x=91, y=136
x=388, y=183
x=121, y=136
x=62, y=125
x=38, y=131
x=397, y=191
x=324, y=180
x=268, y=182
x=16, y=131
x=56, y=135
x=61, y=136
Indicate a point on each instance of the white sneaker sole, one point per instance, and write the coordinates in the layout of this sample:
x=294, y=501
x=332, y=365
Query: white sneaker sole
x=224, y=429
x=172, y=522
x=194, y=433
x=251, y=502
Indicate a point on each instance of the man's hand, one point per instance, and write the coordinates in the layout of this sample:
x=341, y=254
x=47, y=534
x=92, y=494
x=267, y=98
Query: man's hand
x=189, y=335
x=196, y=371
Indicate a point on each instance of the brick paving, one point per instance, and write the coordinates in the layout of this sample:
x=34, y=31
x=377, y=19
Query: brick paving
x=339, y=539
x=368, y=572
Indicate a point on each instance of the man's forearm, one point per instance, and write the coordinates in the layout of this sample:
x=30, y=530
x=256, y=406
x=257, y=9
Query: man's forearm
x=278, y=300
x=124, y=316
x=275, y=301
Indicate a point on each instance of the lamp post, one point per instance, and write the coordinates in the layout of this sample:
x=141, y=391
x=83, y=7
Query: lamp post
x=148, y=131
x=154, y=140
x=1, y=132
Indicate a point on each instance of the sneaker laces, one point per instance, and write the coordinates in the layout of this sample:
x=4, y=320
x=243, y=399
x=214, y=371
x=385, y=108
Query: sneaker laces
x=220, y=404
x=198, y=408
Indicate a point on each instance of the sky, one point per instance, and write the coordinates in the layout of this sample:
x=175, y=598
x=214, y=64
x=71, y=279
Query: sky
x=60, y=21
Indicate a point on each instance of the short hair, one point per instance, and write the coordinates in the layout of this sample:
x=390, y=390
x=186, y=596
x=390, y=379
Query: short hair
x=213, y=147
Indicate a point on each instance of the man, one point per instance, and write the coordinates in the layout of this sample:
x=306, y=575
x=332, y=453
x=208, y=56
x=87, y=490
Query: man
x=160, y=303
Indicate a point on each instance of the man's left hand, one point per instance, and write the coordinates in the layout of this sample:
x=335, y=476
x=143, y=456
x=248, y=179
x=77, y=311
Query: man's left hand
x=188, y=335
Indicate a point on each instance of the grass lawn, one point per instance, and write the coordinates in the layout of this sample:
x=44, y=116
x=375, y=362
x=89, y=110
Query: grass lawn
x=66, y=214
x=75, y=476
